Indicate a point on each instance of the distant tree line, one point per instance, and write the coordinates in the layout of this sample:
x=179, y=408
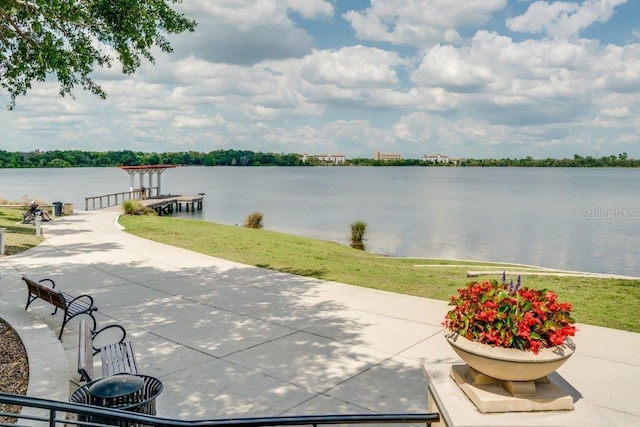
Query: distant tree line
x=621, y=160
x=76, y=158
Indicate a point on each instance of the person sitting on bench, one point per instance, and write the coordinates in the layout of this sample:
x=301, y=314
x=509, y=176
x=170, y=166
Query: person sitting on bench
x=35, y=210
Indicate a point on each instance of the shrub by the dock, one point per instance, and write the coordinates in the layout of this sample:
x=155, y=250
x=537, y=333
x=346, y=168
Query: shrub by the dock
x=254, y=220
x=134, y=207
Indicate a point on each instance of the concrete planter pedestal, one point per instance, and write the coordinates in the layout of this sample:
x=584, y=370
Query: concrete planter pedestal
x=456, y=409
x=505, y=379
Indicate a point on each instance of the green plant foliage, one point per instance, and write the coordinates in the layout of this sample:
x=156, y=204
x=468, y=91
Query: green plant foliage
x=134, y=207
x=43, y=37
x=254, y=220
x=358, y=229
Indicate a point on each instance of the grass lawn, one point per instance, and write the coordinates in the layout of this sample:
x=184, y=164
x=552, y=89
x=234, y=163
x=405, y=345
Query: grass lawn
x=18, y=237
x=612, y=303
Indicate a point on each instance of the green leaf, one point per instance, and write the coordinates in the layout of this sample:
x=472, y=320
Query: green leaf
x=56, y=38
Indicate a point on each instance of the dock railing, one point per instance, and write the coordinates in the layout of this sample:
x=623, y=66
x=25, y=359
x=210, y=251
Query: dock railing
x=107, y=200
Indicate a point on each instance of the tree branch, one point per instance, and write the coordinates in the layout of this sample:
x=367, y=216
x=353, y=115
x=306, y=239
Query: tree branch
x=17, y=28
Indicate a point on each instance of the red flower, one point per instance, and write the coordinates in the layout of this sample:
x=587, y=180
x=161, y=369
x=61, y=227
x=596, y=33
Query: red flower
x=523, y=330
x=550, y=296
x=535, y=346
x=497, y=314
x=539, y=308
x=556, y=338
x=492, y=338
x=530, y=319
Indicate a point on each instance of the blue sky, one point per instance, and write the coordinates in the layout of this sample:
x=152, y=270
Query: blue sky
x=464, y=78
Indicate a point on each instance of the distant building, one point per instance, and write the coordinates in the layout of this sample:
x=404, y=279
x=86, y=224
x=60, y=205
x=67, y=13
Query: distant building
x=328, y=158
x=377, y=155
x=435, y=158
x=27, y=156
x=440, y=158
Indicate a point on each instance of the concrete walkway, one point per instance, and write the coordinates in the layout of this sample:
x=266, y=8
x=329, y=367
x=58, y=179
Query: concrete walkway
x=230, y=340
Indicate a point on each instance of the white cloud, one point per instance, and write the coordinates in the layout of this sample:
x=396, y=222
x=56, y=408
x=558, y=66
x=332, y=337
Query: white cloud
x=246, y=32
x=418, y=22
x=361, y=133
x=434, y=99
x=312, y=9
x=242, y=14
x=354, y=66
x=619, y=68
x=618, y=112
x=443, y=66
x=563, y=19
x=415, y=127
x=197, y=121
x=151, y=117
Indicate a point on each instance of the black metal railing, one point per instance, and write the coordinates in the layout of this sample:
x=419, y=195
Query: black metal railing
x=55, y=413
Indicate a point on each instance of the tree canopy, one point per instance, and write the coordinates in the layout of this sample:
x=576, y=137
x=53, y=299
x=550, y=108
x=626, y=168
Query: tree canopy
x=69, y=38
x=77, y=158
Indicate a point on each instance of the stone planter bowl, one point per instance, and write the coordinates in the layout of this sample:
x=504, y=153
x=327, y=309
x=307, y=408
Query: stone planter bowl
x=510, y=364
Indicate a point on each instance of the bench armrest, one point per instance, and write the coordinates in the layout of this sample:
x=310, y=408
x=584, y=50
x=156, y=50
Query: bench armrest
x=79, y=297
x=52, y=285
x=94, y=334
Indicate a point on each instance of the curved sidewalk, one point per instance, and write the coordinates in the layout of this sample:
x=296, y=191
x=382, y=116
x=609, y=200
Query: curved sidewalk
x=230, y=340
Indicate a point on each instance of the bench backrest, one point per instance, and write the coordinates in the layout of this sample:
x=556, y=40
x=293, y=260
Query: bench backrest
x=51, y=295
x=85, y=351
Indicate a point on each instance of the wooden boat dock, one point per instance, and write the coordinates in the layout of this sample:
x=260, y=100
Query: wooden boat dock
x=168, y=204
x=150, y=196
x=161, y=204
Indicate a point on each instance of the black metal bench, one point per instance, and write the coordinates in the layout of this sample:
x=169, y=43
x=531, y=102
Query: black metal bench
x=72, y=306
x=28, y=217
x=116, y=358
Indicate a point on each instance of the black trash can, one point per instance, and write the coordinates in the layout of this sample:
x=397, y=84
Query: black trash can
x=134, y=393
x=57, y=208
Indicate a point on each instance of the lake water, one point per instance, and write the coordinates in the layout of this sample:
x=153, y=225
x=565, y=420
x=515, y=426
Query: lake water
x=576, y=219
